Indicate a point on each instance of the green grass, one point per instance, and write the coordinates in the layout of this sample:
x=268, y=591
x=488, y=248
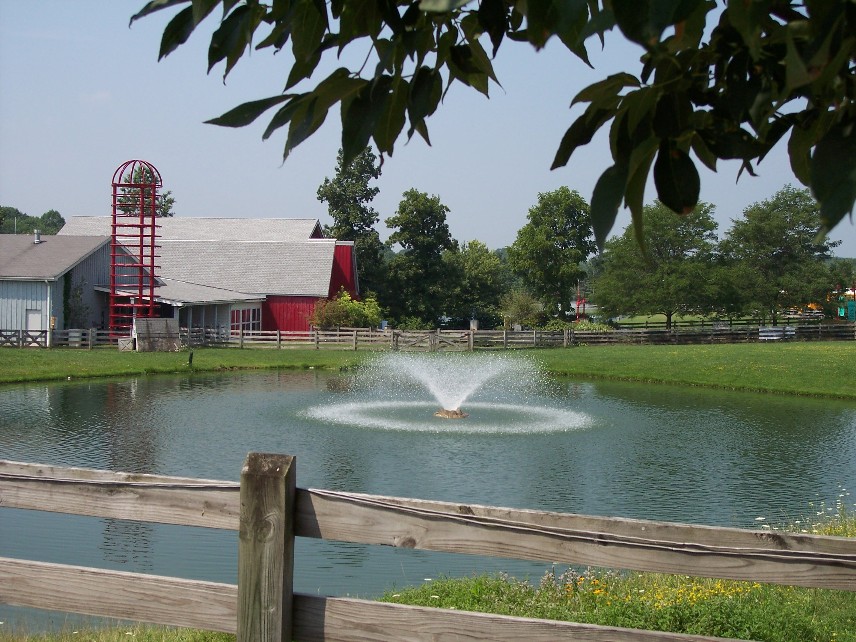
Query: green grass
x=32, y=364
x=818, y=368
x=678, y=604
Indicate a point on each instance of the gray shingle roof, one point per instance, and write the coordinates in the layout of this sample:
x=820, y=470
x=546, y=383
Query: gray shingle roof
x=208, y=229
x=295, y=269
x=209, y=260
x=21, y=258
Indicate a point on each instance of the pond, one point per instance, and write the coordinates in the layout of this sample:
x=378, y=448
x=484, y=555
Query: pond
x=605, y=448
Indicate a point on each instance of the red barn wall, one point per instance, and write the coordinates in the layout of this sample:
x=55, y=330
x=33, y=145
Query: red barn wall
x=344, y=273
x=287, y=312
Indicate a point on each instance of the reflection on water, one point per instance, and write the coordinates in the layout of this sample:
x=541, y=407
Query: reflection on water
x=655, y=452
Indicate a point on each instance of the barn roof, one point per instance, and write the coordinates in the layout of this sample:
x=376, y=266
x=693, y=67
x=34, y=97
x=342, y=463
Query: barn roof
x=22, y=258
x=208, y=228
x=259, y=268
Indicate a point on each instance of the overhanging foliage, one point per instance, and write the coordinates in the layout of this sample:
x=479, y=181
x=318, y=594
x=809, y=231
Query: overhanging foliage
x=716, y=83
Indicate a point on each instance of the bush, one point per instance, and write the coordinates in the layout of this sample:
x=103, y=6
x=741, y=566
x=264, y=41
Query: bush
x=345, y=311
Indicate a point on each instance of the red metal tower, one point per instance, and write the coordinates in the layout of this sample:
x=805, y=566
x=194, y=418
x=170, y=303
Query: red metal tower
x=133, y=276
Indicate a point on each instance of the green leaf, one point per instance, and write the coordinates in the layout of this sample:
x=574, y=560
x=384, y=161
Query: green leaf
x=676, y=179
x=493, y=18
x=153, y=6
x=606, y=90
x=703, y=152
x=581, y=131
x=392, y=118
x=426, y=89
x=796, y=73
x=634, y=194
x=360, y=116
x=605, y=201
x=643, y=21
x=284, y=115
x=176, y=32
x=247, y=112
x=545, y=18
x=302, y=69
x=234, y=35
x=304, y=122
x=833, y=174
x=307, y=29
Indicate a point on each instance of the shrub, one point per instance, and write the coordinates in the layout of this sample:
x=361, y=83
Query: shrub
x=345, y=311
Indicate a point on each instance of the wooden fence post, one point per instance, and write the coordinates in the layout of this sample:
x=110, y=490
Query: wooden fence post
x=471, y=341
x=266, y=548
x=279, y=339
x=241, y=336
x=355, y=340
x=315, y=333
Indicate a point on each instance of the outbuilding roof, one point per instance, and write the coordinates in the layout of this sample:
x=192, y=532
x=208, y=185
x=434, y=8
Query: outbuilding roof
x=286, y=269
x=208, y=228
x=22, y=258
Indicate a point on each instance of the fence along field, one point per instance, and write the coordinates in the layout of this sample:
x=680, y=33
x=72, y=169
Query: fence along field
x=439, y=340
x=269, y=510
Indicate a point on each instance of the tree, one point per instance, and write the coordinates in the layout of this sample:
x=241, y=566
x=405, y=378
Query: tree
x=775, y=256
x=10, y=218
x=475, y=284
x=674, y=276
x=14, y=221
x=129, y=197
x=716, y=83
x=548, y=250
x=51, y=222
x=417, y=274
x=519, y=307
x=348, y=197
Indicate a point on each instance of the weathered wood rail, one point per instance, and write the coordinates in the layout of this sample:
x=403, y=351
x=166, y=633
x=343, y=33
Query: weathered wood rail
x=451, y=340
x=269, y=510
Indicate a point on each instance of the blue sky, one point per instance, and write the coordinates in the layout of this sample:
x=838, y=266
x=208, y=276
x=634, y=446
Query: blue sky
x=81, y=92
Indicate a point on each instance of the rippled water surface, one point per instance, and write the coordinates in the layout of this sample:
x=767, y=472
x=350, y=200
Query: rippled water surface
x=654, y=452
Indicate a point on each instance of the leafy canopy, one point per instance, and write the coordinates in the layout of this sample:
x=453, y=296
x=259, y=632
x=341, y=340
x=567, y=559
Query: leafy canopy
x=775, y=257
x=675, y=276
x=716, y=83
x=348, y=196
x=549, y=249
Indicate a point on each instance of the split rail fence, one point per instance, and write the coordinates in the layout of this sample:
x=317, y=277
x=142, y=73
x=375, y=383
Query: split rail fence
x=452, y=340
x=269, y=511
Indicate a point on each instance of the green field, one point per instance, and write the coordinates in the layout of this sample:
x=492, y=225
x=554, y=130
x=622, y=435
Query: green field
x=819, y=368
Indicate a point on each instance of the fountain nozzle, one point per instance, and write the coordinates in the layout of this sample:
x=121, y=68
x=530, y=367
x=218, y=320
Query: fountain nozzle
x=455, y=413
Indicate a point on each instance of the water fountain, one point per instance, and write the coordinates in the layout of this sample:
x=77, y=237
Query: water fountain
x=494, y=392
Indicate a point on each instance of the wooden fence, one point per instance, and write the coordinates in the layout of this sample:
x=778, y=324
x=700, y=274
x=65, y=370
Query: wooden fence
x=269, y=510
x=452, y=340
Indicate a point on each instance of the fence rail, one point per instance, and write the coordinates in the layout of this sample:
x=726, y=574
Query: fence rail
x=451, y=340
x=269, y=510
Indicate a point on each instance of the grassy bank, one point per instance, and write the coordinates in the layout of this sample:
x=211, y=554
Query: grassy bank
x=674, y=603
x=826, y=369
x=821, y=368
x=28, y=364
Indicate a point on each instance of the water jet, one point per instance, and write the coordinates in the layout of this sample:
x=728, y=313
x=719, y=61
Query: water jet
x=497, y=393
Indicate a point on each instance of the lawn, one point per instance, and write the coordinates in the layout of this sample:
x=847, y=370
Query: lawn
x=817, y=368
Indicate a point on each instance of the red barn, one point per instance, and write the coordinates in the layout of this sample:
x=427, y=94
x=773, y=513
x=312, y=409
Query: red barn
x=250, y=274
